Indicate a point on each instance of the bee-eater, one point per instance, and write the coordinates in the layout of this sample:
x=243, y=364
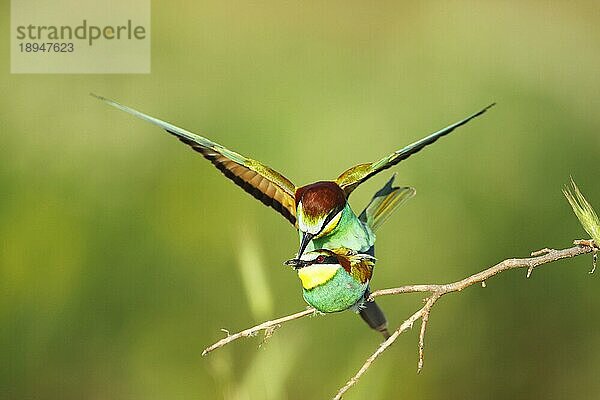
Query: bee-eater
x=329, y=288
x=336, y=280
x=320, y=211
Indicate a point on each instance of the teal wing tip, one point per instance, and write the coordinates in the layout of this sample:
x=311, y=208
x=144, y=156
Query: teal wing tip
x=483, y=110
x=125, y=108
x=107, y=101
x=488, y=107
x=464, y=121
x=100, y=97
x=172, y=129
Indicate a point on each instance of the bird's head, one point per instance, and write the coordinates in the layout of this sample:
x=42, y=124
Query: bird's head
x=319, y=266
x=316, y=267
x=315, y=257
x=319, y=208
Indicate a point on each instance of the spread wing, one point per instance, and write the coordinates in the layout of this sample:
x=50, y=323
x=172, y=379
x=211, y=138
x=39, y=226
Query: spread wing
x=356, y=175
x=262, y=182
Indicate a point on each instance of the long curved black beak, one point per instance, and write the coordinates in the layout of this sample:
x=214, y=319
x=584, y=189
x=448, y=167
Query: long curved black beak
x=296, y=263
x=306, y=238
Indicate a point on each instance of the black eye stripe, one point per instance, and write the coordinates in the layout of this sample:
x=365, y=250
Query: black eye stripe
x=330, y=217
x=323, y=259
x=331, y=260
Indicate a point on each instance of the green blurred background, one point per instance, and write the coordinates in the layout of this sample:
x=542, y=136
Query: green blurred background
x=123, y=252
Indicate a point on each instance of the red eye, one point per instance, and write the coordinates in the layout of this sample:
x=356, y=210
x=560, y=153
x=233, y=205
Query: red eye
x=321, y=259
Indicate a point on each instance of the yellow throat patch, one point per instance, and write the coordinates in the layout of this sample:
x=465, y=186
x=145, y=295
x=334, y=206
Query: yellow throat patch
x=315, y=275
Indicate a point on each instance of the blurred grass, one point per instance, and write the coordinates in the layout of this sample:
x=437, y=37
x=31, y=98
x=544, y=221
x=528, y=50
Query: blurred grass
x=121, y=248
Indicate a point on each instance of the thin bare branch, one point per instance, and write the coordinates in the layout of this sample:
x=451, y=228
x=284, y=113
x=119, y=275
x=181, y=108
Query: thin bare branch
x=269, y=327
x=383, y=346
x=424, y=321
x=437, y=291
x=404, y=289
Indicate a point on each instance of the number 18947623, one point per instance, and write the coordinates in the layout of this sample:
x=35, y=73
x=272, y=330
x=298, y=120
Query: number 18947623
x=46, y=47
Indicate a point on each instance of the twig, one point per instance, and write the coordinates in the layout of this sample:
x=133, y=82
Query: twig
x=268, y=326
x=437, y=291
x=595, y=246
x=424, y=320
x=382, y=347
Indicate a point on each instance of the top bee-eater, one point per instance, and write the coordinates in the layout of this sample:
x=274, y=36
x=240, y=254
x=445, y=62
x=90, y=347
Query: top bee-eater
x=320, y=211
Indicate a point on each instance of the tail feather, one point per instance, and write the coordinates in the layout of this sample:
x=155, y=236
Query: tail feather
x=374, y=317
x=384, y=203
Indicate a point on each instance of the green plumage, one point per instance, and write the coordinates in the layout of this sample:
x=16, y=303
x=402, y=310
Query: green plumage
x=340, y=293
x=350, y=233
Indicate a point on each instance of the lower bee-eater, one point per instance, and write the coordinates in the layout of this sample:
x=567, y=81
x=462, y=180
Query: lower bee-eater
x=335, y=280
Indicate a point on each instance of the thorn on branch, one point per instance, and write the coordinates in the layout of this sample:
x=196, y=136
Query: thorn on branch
x=544, y=251
x=539, y=253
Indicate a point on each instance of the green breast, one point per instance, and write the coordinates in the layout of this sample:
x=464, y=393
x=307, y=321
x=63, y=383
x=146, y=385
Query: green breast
x=340, y=293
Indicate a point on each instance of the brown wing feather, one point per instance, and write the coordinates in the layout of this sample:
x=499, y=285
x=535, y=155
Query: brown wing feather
x=265, y=184
x=269, y=193
x=360, y=266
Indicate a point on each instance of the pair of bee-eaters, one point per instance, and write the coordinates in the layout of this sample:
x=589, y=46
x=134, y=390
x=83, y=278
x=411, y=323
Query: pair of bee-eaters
x=336, y=256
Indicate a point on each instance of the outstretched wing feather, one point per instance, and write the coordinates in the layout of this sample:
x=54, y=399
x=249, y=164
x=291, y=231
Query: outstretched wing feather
x=356, y=175
x=262, y=182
